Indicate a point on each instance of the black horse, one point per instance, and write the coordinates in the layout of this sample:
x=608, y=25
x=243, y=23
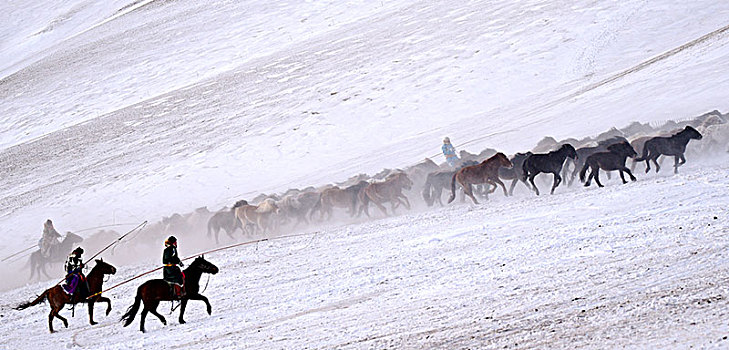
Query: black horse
x=584, y=152
x=154, y=291
x=551, y=162
x=671, y=146
x=57, y=254
x=435, y=183
x=614, y=159
x=516, y=172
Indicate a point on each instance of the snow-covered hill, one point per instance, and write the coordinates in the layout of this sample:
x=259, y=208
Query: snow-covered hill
x=124, y=111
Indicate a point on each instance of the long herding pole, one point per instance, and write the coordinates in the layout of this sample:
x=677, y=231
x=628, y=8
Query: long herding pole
x=199, y=254
x=139, y=227
x=20, y=252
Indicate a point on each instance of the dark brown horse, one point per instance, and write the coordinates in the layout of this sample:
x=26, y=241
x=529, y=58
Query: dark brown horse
x=153, y=291
x=485, y=172
x=389, y=190
x=339, y=197
x=57, y=297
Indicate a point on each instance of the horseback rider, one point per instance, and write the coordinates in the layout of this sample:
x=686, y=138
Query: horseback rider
x=49, y=239
x=449, y=152
x=74, y=271
x=171, y=271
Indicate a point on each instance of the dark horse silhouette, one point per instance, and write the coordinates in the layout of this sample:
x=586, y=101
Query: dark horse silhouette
x=671, y=146
x=516, y=172
x=551, y=162
x=485, y=172
x=154, y=291
x=584, y=152
x=57, y=297
x=58, y=253
x=614, y=159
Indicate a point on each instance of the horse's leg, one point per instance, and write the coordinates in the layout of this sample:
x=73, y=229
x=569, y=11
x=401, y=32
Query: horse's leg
x=183, y=305
x=204, y=299
x=658, y=166
x=153, y=310
x=407, y=201
x=43, y=269
x=622, y=176
x=558, y=180
x=468, y=190
x=596, y=171
x=632, y=178
x=142, y=317
x=498, y=182
x=531, y=180
x=108, y=304
x=382, y=207
x=513, y=185
x=91, y=312
x=437, y=194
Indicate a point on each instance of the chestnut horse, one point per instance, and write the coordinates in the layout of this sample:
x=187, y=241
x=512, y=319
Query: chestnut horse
x=389, y=190
x=57, y=297
x=153, y=291
x=485, y=172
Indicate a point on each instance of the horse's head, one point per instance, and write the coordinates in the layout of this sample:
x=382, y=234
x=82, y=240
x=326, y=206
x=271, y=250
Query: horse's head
x=503, y=160
x=405, y=181
x=623, y=148
x=72, y=238
x=104, y=267
x=692, y=133
x=203, y=265
x=569, y=150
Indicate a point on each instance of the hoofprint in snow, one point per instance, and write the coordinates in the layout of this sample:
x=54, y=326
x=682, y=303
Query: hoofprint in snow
x=610, y=267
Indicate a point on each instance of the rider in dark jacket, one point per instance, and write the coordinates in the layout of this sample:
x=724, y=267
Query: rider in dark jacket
x=171, y=271
x=74, y=271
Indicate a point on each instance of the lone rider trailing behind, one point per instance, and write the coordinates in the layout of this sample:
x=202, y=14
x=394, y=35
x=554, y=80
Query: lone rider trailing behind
x=49, y=239
x=171, y=271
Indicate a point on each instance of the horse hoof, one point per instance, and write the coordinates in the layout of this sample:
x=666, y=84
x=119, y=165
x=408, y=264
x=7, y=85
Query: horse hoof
x=210, y=311
x=93, y=323
x=182, y=322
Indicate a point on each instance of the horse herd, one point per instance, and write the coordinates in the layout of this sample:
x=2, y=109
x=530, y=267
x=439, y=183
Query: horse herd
x=477, y=175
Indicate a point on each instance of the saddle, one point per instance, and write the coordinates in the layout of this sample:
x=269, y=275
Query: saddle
x=177, y=290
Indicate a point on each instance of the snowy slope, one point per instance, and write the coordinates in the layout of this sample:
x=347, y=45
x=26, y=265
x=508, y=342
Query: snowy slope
x=124, y=111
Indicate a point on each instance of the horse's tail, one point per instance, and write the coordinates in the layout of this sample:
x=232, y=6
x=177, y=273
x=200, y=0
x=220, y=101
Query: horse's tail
x=37, y=301
x=453, y=188
x=524, y=170
x=210, y=226
x=646, y=150
x=128, y=317
x=427, y=196
x=584, y=171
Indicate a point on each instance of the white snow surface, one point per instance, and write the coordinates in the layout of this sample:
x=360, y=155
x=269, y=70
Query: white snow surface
x=123, y=111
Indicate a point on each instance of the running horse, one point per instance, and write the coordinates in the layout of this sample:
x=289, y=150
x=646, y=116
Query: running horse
x=153, y=291
x=389, y=190
x=57, y=254
x=670, y=146
x=57, y=297
x=484, y=172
